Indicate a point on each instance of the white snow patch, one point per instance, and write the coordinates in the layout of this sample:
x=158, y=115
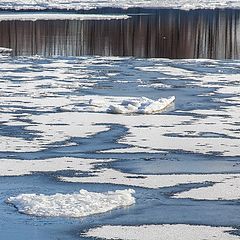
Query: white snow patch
x=162, y=232
x=228, y=189
x=76, y=205
x=12, y=167
x=57, y=16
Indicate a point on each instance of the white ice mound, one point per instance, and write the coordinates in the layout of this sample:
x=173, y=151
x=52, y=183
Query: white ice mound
x=5, y=50
x=140, y=105
x=76, y=205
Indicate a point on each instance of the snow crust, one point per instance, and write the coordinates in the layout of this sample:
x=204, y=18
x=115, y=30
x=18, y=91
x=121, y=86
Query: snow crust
x=162, y=232
x=74, y=205
x=140, y=105
x=57, y=16
x=91, y=4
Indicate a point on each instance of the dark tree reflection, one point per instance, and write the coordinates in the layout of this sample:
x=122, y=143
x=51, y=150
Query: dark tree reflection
x=163, y=33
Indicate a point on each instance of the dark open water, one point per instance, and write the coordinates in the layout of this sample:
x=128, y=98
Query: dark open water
x=160, y=33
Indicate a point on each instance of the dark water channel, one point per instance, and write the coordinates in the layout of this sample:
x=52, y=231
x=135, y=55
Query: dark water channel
x=159, y=33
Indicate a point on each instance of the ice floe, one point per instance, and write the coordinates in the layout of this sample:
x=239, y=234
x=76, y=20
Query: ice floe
x=228, y=189
x=162, y=232
x=91, y=4
x=112, y=176
x=141, y=105
x=75, y=205
x=12, y=167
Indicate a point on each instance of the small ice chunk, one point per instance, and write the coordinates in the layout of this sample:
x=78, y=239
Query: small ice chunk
x=76, y=205
x=5, y=50
x=96, y=103
x=141, y=106
x=116, y=109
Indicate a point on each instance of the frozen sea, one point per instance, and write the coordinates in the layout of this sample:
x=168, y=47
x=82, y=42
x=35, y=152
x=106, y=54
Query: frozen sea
x=117, y=147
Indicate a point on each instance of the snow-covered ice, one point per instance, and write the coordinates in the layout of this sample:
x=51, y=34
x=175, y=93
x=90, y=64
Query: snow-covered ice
x=75, y=205
x=162, y=232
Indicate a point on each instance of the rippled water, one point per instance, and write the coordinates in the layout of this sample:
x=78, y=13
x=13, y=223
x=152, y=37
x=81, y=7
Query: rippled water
x=158, y=33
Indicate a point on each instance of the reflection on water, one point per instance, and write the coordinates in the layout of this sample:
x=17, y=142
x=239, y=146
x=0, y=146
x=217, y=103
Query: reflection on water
x=163, y=33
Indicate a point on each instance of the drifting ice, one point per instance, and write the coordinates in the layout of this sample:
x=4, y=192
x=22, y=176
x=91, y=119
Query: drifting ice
x=76, y=205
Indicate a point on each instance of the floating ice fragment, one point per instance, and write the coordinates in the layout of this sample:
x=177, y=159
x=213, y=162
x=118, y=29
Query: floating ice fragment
x=129, y=105
x=96, y=103
x=142, y=106
x=76, y=205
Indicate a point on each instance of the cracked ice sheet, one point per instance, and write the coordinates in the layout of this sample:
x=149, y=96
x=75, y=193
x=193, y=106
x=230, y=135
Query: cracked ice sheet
x=10, y=167
x=191, y=134
x=90, y=4
x=231, y=182
x=187, y=136
x=42, y=90
x=161, y=232
x=51, y=129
